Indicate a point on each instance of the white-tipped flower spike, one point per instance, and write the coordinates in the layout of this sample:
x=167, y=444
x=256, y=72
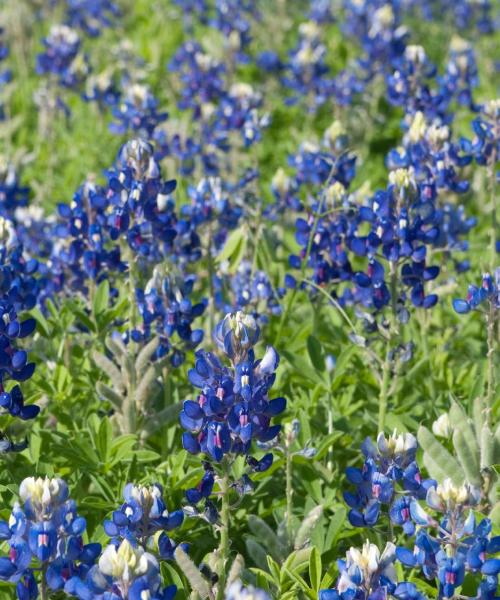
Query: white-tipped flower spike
x=364, y=566
x=441, y=426
x=269, y=362
x=403, y=179
x=397, y=444
x=418, y=127
x=447, y=496
x=281, y=182
x=237, y=591
x=125, y=563
x=43, y=495
x=8, y=236
x=415, y=54
x=236, y=334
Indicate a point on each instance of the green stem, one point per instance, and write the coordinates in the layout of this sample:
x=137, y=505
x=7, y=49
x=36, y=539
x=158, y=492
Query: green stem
x=384, y=388
x=211, y=273
x=493, y=200
x=291, y=298
x=223, y=551
x=44, y=592
x=425, y=345
x=289, y=494
x=491, y=360
x=132, y=284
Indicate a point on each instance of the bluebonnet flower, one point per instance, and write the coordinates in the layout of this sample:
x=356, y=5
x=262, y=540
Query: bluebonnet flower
x=320, y=11
x=388, y=464
x=166, y=309
x=237, y=591
x=124, y=572
x=103, y=89
x=232, y=19
x=364, y=574
x=320, y=164
x=61, y=58
x=201, y=76
x=409, y=85
x=486, y=144
x=212, y=205
x=464, y=14
x=376, y=25
x=143, y=515
x=450, y=545
x=142, y=210
x=285, y=194
x=250, y=291
x=238, y=111
x=306, y=70
x=461, y=76
x=487, y=293
x=323, y=234
x=6, y=74
x=46, y=529
x=19, y=290
x=13, y=194
x=137, y=111
x=91, y=15
x=83, y=248
x=233, y=408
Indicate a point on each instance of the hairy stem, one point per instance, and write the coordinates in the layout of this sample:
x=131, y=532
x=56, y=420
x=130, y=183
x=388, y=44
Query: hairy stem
x=44, y=592
x=291, y=298
x=384, y=388
x=493, y=201
x=223, y=550
x=491, y=360
x=289, y=495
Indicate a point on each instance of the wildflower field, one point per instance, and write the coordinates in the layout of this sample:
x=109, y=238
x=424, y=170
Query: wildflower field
x=250, y=299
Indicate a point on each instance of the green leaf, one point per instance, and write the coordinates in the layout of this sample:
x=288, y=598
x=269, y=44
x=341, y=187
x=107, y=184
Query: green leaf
x=315, y=568
x=310, y=593
x=315, y=352
x=104, y=439
x=108, y=366
x=468, y=460
x=262, y=531
x=257, y=553
x=336, y=525
x=42, y=324
x=101, y=298
x=231, y=245
x=438, y=461
x=110, y=395
x=307, y=526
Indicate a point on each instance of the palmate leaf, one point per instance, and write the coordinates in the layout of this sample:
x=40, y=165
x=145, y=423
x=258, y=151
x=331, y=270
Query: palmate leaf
x=438, y=461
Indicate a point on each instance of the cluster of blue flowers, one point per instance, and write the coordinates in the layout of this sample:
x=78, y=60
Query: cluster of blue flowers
x=19, y=287
x=48, y=530
x=487, y=293
x=233, y=408
x=448, y=542
x=5, y=74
